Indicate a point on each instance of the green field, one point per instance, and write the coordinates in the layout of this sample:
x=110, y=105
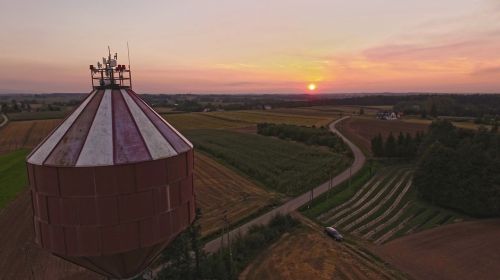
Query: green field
x=285, y=166
x=44, y=115
x=379, y=208
x=239, y=119
x=13, y=177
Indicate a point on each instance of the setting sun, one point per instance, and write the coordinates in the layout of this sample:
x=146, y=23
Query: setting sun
x=311, y=87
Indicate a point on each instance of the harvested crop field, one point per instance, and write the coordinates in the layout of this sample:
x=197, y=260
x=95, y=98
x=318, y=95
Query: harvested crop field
x=24, y=134
x=361, y=130
x=468, y=250
x=242, y=119
x=308, y=253
x=220, y=189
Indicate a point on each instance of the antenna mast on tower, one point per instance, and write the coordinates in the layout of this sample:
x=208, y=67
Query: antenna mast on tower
x=110, y=74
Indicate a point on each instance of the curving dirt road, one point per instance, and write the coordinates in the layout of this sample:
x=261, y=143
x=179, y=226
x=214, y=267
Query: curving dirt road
x=295, y=203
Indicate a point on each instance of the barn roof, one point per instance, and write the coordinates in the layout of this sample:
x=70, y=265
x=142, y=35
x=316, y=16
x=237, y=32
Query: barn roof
x=111, y=126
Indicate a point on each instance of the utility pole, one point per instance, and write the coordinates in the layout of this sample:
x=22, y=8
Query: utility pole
x=226, y=222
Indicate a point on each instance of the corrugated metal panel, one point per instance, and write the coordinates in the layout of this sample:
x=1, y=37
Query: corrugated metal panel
x=98, y=147
x=129, y=237
x=57, y=240
x=55, y=210
x=176, y=168
x=69, y=212
x=46, y=180
x=87, y=211
x=125, y=178
x=151, y=174
x=66, y=152
x=42, y=152
x=43, y=212
x=77, y=181
x=172, y=136
x=135, y=206
x=166, y=228
x=157, y=145
x=105, y=180
x=107, y=210
x=150, y=231
x=111, y=236
x=129, y=144
x=175, y=195
x=89, y=241
x=71, y=239
x=186, y=189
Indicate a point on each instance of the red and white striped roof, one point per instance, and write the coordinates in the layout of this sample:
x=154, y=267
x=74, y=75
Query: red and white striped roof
x=111, y=126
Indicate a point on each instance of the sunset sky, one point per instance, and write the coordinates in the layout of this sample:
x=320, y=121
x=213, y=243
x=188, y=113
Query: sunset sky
x=257, y=46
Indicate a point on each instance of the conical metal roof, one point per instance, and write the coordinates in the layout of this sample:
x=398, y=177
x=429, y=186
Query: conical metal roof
x=111, y=126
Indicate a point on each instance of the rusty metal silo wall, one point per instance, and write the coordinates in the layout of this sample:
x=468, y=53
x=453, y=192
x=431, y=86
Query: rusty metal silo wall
x=112, y=219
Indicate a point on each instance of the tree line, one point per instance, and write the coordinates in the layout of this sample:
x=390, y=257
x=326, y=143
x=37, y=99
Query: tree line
x=308, y=135
x=404, y=146
x=186, y=259
x=459, y=169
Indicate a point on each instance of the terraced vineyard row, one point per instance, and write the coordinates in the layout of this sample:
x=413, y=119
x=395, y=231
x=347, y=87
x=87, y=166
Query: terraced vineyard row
x=384, y=208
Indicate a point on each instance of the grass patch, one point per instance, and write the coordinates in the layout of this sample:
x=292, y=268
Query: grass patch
x=284, y=166
x=13, y=177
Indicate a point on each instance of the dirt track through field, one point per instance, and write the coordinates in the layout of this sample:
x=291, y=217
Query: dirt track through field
x=468, y=250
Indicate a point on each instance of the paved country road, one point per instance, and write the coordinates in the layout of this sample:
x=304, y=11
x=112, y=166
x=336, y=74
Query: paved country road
x=295, y=203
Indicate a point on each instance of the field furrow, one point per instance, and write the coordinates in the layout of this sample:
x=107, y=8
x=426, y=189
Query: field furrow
x=366, y=203
x=361, y=191
x=388, y=222
x=378, y=205
x=391, y=232
x=349, y=207
x=386, y=213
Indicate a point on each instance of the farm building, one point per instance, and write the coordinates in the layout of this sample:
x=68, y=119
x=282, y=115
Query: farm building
x=389, y=116
x=112, y=185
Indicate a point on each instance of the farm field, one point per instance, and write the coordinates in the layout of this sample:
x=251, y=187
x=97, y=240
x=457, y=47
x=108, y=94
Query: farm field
x=384, y=208
x=187, y=121
x=361, y=130
x=241, y=119
x=14, y=177
x=284, y=166
x=24, y=134
x=461, y=251
x=43, y=115
x=460, y=124
x=308, y=253
x=220, y=189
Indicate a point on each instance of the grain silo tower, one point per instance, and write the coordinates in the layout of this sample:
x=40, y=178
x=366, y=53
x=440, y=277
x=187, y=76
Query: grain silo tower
x=112, y=185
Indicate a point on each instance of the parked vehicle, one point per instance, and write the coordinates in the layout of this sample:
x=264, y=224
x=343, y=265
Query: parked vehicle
x=334, y=234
